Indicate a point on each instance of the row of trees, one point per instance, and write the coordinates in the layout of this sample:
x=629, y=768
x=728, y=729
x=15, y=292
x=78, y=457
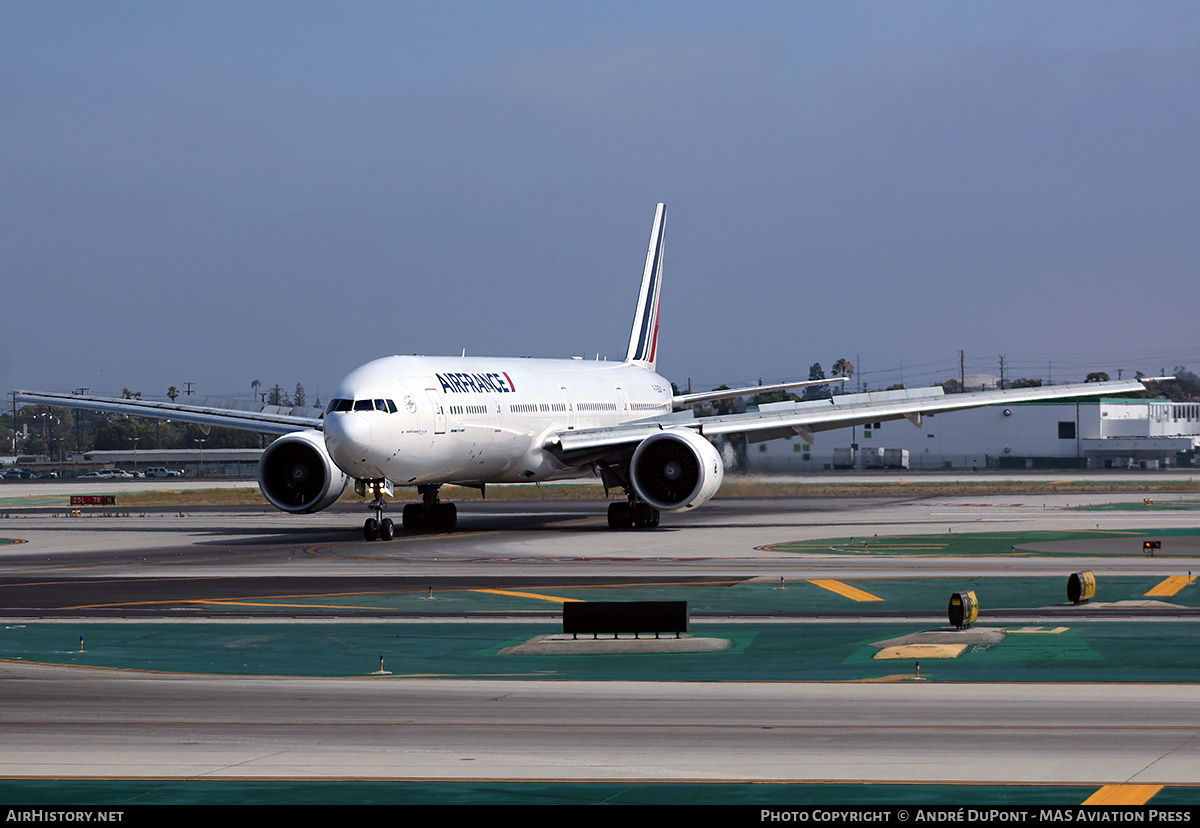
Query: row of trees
x=842, y=368
x=277, y=396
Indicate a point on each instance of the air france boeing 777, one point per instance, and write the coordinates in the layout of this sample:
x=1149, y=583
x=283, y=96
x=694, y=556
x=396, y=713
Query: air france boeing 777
x=423, y=422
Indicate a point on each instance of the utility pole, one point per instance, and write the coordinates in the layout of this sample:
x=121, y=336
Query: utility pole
x=1002, y=372
x=79, y=420
x=962, y=373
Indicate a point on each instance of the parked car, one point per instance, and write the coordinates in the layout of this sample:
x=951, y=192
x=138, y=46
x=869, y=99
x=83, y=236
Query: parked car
x=160, y=471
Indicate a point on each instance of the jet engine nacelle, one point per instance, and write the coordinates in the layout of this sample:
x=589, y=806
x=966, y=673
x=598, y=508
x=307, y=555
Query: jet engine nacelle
x=296, y=474
x=677, y=469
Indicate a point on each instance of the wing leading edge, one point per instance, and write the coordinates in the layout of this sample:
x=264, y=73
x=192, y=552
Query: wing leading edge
x=805, y=418
x=263, y=421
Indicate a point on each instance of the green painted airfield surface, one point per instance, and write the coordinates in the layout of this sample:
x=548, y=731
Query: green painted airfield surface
x=1127, y=543
x=826, y=651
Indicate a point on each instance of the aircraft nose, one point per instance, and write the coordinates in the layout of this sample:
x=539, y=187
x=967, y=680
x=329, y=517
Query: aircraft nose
x=347, y=437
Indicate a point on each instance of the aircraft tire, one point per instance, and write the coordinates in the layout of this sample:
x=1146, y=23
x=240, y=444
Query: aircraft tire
x=445, y=517
x=645, y=516
x=387, y=529
x=371, y=529
x=619, y=516
x=414, y=517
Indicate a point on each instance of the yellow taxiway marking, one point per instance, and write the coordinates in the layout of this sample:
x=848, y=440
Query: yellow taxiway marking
x=845, y=590
x=528, y=595
x=1041, y=630
x=922, y=651
x=284, y=606
x=1123, y=795
x=1171, y=586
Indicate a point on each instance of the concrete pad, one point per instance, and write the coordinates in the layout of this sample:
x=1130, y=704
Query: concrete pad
x=563, y=644
x=946, y=635
x=922, y=651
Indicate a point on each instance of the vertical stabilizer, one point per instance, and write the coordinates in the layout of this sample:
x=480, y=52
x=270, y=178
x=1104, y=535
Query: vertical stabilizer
x=643, y=341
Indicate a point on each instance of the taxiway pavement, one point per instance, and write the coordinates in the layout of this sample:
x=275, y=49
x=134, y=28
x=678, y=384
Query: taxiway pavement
x=58, y=722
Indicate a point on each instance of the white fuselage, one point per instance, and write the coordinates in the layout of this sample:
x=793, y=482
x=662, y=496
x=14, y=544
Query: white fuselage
x=418, y=420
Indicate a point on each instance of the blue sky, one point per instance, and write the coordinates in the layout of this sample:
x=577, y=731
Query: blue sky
x=222, y=192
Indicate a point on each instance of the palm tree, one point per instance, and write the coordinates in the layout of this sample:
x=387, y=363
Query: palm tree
x=254, y=384
x=843, y=367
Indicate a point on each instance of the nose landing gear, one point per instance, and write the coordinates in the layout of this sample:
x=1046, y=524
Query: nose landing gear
x=378, y=527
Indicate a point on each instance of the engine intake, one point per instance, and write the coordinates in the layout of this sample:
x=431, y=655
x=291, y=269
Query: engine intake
x=677, y=469
x=296, y=474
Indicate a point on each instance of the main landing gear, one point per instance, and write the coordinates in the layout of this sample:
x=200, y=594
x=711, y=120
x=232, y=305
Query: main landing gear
x=430, y=514
x=632, y=513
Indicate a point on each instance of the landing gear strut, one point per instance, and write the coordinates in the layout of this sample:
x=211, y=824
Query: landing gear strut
x=632, y=513
x=430, y=514
x=378, y=527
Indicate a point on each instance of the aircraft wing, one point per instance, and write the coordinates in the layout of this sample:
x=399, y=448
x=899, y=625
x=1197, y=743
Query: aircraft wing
x=265, y=420
x=774, y=420
x=749, y=391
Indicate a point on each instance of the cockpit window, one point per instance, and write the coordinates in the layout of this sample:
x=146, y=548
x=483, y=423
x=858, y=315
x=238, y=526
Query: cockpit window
x=386, y=406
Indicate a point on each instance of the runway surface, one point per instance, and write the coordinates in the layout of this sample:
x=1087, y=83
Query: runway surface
x=116, y=725
x=59, y=722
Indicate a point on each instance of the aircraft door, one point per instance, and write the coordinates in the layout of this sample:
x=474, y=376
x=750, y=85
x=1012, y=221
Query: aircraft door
x=624, y=403
x=439, y=410
x=566, y=396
